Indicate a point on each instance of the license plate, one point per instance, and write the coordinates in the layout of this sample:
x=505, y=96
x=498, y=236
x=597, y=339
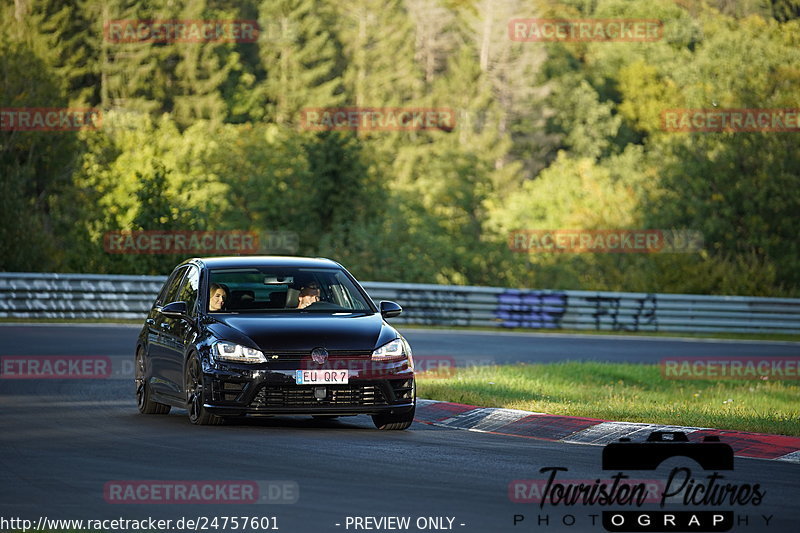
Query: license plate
x=320, y=377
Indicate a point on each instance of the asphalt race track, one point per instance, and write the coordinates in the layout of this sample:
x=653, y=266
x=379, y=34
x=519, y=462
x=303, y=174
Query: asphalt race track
x=501, y=347
x=64, y=441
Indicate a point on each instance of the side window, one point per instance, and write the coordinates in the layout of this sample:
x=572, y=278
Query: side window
x=174, y=284
x=188, y=290
x=162, y=294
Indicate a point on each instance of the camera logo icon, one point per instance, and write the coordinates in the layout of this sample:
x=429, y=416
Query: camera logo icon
x=711, y=454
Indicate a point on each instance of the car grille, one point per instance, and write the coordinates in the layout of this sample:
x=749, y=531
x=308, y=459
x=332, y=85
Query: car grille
x=306, y=355
x=403, y=389
x=228, y=391
x=336, y=396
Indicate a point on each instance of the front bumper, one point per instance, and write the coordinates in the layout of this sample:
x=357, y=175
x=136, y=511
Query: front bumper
x=236, y=390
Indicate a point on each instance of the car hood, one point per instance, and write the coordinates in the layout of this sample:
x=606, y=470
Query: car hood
x=270, y=333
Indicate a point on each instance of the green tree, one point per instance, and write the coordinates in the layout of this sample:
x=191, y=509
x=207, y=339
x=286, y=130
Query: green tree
x=299, y=55
x=35, y=165
x=203, y=69
x=378, y=49
x=739, y=188
x=57, y=33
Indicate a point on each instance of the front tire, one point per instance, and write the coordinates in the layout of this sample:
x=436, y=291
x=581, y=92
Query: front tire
x=195, y=395
x=394, y=422
x=144, y=400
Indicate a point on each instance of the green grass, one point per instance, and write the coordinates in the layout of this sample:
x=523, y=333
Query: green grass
x=623, y=392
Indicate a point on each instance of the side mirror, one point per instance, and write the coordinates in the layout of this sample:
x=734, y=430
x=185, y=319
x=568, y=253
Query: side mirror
x=175, y=310
x=390, y=309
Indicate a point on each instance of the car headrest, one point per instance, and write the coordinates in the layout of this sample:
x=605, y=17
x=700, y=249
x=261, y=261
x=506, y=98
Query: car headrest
x=243, y=296
x=277, y=299
x=292, y=298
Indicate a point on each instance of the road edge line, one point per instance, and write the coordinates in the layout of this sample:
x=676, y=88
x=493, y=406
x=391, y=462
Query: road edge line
x=593, y=431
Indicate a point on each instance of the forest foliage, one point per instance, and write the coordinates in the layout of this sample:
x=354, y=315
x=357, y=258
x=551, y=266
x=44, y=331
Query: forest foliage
x=549, y=135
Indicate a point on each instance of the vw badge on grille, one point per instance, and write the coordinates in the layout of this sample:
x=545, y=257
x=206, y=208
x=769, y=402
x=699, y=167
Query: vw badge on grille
x=319, y=355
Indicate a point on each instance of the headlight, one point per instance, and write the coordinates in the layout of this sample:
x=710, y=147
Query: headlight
x=226, y=351
x=395, y=350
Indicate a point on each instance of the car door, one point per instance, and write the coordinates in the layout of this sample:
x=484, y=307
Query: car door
x=160, y=335
x=180, y=334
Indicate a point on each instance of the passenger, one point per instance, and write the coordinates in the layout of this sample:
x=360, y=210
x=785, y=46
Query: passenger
x=309, y=294
x=216, y=300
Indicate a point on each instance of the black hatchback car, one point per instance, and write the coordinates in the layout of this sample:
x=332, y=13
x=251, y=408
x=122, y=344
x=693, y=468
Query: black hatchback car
x=240, y=336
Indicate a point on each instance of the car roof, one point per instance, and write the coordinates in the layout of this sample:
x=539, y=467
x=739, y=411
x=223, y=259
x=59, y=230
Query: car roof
x=262, y=261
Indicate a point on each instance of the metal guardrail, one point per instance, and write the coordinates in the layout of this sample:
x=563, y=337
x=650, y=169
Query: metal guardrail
x=34, y=296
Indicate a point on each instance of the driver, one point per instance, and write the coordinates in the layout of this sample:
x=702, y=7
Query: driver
x=309, y=294
x=216, y=300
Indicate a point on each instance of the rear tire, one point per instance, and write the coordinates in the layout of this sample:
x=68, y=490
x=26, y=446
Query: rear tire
x=144, y=400
x=195, y=395
x=394, y=422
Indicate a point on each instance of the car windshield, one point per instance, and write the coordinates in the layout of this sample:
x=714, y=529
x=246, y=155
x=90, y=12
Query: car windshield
x=286, y=289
